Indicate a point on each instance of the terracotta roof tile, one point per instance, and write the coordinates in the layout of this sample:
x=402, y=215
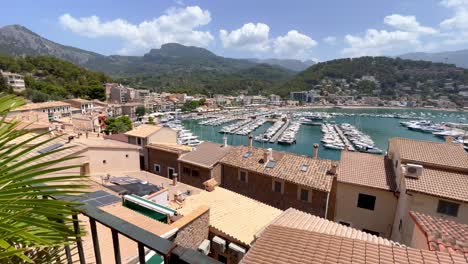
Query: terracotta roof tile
x=38, y=106
x=294, y=218
x=443, y=234
x=207, y=154
x=143, y=131
x=288, y=166
x=276, y=243
x=367, y=170
x=174, y=148
x=431, y=153
x=232, y=214
x=440, y=183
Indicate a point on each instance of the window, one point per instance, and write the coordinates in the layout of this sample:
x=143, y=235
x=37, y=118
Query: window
x=222, y=259
x=138, y=141
x=195, y=173
x=400, y=225
x=366, y=201
x=157, y=168
x=186, y=171
x=344, y=223
x=126, y=155
x=304, y=195
x=277, y=186
x=448, y=208
x=396, y=164
x=371, y=232
x=243, y=176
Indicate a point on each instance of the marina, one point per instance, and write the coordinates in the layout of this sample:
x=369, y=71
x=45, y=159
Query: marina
x=378, y=124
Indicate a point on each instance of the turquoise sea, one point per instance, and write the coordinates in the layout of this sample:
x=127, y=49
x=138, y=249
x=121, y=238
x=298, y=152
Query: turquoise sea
x=380, y=129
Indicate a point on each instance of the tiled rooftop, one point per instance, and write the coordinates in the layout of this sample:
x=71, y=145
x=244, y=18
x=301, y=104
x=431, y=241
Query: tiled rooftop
x=452, y=185
x=432, y=153
x=174, y=148
x=37, y=106
x=207, y=154
x=288, y=166
x=294, y=218
x=143, y=131
x=236, y=216
x=368, y=170
x=443, y=234
x=279, y=244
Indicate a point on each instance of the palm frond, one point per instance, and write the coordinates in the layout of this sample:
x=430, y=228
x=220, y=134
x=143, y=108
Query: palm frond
x=33, y=227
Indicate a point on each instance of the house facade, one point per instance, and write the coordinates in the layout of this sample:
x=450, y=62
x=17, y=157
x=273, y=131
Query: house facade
x=285, y=180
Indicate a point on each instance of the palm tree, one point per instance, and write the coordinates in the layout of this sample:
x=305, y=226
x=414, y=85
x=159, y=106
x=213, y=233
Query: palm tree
x=33, y=226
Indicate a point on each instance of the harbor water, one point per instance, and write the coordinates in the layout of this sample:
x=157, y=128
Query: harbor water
x=380, y=129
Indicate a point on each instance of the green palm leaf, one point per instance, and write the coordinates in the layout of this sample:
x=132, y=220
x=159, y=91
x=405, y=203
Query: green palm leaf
x=33, y=227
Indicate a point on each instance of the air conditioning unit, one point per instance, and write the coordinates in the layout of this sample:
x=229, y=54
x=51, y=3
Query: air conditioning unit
x=204, y=247
x=413, y=170
x=238, y=250
x=218, y=244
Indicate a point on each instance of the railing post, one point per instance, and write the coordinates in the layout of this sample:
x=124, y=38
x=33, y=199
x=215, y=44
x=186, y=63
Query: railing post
x=141, y=253
x=79, y=243
x=68, y=254
x=115, y=240
x=94, y=235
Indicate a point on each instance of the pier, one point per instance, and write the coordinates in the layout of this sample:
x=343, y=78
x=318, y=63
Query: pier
x=280, y=131
x=344, y=138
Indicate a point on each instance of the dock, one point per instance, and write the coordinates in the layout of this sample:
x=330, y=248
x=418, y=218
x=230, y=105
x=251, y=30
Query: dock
x=280, y=131
x=345, y=140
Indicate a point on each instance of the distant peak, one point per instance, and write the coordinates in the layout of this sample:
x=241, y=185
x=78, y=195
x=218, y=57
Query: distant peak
x=179, y=50
x=17, y=27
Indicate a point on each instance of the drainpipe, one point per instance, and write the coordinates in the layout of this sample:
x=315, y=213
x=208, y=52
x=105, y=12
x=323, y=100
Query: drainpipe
x=326, y=206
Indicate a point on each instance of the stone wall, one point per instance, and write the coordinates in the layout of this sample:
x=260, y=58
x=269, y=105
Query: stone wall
x=193, y=228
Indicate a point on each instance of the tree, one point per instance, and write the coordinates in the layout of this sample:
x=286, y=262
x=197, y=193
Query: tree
x=118, y=125
x=151, y=120
x=33, y=227
x=140, y=111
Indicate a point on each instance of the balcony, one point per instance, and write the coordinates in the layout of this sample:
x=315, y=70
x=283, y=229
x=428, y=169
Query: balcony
x=146, y=242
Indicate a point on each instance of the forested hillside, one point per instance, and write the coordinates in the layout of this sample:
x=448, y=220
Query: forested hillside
x=394, y=76
x=49, y=78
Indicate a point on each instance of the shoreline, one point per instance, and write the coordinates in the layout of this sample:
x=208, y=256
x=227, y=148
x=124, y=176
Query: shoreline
x=373, y=107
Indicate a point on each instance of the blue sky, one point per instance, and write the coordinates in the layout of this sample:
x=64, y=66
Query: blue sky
x=301, y=29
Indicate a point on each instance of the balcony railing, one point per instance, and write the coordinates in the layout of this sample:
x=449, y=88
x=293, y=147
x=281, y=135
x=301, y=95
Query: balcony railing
x=168, y=250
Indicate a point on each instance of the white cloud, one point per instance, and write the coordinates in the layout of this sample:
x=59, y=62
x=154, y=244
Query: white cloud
x=176, y=25
x=293, y=45
x=454, y=3
x=456, y=27
x=251, y=37
x=255, y=38
x=330, y=40
x=407, y=35
x=407, y=23
x=377, y=42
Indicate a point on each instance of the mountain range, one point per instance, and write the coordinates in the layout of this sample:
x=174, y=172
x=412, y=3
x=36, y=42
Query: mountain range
x=178, y=68
x=18, y=41
x=459, y=57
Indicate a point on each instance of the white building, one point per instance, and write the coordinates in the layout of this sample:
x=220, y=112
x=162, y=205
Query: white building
x=16, y=81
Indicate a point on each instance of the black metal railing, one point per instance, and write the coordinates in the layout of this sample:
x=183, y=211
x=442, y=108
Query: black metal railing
x=168, y=250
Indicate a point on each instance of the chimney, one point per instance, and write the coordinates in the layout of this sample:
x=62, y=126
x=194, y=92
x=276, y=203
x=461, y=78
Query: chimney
x=225, y=141
x=267, y=155
x=250, y=140
x=332, y=170
x=316, y=151
x=174, y=179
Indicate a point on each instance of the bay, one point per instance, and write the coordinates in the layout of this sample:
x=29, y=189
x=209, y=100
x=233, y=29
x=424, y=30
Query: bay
x=379, y=128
